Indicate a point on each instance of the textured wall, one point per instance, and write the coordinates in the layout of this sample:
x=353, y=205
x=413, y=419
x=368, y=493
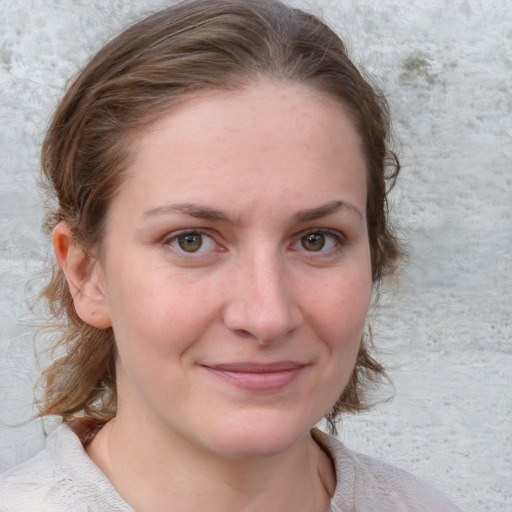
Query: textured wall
x=446, y=67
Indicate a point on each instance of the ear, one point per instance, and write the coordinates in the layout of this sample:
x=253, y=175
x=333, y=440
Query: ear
x=84, y=276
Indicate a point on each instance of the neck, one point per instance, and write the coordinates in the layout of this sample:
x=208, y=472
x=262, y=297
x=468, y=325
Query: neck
x=152, y=470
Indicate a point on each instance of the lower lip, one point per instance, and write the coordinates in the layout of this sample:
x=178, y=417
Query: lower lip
x=258, y=381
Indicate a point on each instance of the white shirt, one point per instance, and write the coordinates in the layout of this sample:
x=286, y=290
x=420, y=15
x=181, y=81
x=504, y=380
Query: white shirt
x=62, y=478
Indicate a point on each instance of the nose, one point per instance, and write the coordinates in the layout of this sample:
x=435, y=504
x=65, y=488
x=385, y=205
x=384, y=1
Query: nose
x=262, y=304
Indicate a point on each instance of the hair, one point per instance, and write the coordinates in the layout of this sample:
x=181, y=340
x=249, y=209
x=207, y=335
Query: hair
x=134, y=80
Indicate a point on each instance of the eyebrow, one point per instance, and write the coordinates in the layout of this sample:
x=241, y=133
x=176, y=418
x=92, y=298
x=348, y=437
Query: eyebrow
x=325, y=210
x=208, y=213
x=194, y=210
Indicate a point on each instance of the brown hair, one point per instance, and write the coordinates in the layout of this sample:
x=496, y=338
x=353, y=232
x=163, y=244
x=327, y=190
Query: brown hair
x=134, y=79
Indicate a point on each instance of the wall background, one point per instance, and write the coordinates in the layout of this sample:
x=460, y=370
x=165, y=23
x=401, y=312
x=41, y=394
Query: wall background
x=446, y=67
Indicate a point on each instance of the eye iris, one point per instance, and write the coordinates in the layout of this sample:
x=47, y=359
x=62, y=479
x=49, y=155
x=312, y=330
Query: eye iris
x=190, y=243
x=313, y=242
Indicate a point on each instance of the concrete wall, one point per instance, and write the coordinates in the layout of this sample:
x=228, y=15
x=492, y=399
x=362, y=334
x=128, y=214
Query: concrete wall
x=446, y=334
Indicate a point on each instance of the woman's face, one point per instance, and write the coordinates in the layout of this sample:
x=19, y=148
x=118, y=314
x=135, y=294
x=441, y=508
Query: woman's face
x=236, y=269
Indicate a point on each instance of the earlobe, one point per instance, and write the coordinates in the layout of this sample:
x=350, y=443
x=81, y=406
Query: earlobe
x=84, y=277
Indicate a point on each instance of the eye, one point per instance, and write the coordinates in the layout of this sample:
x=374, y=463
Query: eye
x=313, y=241
x=319, y=241
x=192, y=242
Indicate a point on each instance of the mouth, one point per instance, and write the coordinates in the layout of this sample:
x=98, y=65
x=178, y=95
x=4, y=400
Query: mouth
x=258, y=377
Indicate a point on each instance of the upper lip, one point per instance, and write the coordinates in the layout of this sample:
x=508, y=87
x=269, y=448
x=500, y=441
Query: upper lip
x=257, y=367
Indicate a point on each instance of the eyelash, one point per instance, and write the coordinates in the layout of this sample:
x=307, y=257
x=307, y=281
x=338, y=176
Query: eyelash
x=337, y=237
x=176, y=235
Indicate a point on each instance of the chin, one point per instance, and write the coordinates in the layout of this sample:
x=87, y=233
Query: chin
x=257, y=437
x=256, y=446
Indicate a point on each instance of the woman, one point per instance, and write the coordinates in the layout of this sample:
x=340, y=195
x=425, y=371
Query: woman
x=221, y=171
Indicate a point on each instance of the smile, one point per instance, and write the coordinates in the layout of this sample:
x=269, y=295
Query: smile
x=258, y=377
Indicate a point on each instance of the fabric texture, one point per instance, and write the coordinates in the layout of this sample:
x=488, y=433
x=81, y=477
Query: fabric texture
x=62, y=478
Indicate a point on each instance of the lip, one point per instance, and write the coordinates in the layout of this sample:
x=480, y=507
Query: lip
x=258, y=377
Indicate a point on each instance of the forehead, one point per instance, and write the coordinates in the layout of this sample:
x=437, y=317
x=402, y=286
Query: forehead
x=294, y=106
x=283, y=139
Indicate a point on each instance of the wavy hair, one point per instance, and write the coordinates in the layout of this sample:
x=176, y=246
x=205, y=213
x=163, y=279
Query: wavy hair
x=132, y=81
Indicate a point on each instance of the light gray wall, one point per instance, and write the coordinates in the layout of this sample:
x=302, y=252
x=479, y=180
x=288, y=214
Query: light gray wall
x=446, y=67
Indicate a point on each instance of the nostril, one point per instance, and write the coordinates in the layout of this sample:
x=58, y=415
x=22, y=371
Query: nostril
x=242, y=333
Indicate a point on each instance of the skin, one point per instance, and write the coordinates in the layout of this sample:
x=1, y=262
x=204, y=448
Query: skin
x=231, y=349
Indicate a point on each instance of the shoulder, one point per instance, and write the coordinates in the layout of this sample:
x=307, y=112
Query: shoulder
x=37, y=484
x=365, y=483
x=59, y=478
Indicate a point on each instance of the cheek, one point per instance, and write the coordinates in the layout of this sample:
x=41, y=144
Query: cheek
x=158, y=313
x=339, y=308
x=337, y=316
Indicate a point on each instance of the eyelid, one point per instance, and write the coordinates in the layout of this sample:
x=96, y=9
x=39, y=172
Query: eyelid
x=169, y=238
x=339, y=238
